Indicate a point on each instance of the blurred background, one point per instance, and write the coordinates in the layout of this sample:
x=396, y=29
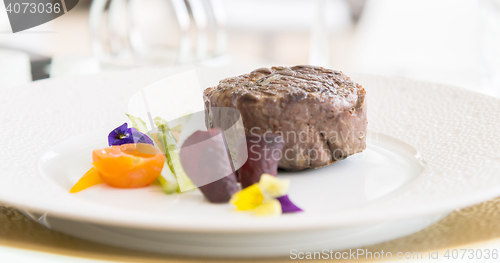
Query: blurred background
x=448, y=41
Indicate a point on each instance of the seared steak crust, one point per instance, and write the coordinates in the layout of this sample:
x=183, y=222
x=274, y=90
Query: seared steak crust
x=320, y=113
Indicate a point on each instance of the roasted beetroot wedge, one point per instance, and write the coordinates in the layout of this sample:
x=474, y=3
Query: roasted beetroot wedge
x=206, y=160
x=264, y=153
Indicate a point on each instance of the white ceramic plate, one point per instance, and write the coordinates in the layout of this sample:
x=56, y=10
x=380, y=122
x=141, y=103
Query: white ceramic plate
x=434, y=149
x=238, y=244
x=386, y=166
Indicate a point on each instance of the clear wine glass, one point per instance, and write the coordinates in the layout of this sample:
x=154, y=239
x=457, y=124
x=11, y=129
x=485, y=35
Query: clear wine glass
x=156, y=32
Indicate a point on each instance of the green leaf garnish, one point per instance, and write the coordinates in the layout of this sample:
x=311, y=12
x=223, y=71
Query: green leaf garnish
x=169, y=145
x=138, y=124
x=166, y=180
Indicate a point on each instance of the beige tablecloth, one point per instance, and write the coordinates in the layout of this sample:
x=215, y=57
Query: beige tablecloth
x=461, y=228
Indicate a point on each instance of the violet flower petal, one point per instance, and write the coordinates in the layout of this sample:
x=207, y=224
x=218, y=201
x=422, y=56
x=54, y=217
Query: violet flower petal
x=139, y=137
x=123, y=135
x=119, y=136
x=287, y=206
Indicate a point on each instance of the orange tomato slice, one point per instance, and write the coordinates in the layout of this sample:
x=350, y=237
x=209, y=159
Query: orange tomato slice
x=129, y=165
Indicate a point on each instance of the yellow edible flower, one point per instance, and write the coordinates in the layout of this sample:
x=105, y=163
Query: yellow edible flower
x=272, y=187
x=260, y=198
x=268, y=208
x=248, y=198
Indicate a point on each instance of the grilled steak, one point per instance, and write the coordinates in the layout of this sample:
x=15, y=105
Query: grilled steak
x=320, y=113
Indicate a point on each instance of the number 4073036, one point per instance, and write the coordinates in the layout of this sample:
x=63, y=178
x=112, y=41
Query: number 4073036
x=471, y=254
x=34, y=8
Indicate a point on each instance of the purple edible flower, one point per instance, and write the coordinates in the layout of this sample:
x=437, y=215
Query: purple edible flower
x=287, y=206
x=123, y=135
